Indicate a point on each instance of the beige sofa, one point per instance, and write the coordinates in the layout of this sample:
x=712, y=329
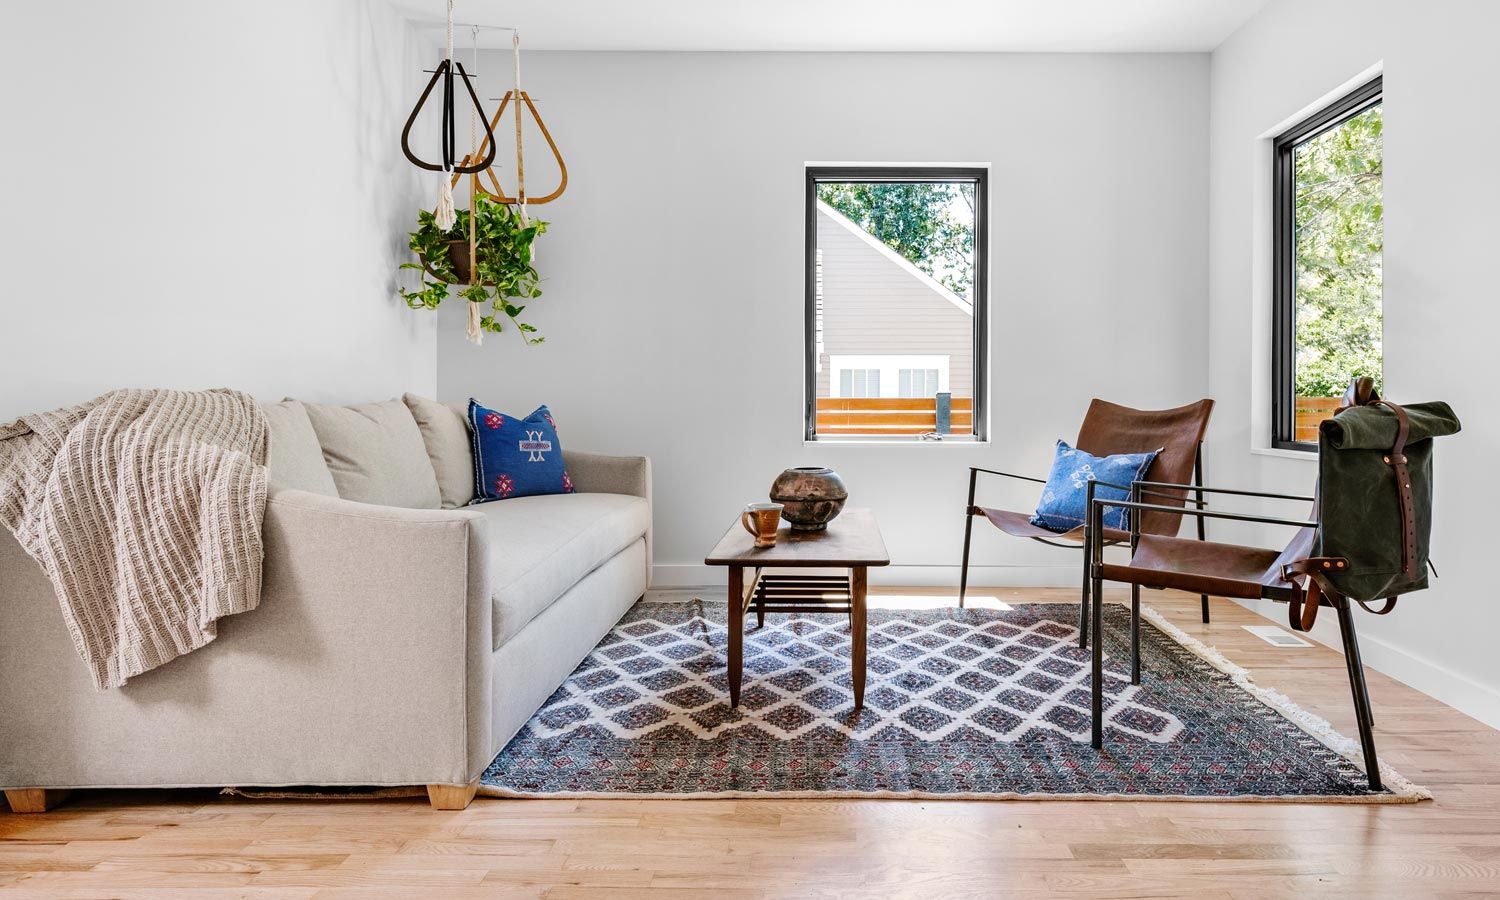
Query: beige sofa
x=401, y=639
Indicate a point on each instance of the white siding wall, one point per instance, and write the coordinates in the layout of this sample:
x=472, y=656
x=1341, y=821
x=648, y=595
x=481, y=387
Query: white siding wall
x=872, y=305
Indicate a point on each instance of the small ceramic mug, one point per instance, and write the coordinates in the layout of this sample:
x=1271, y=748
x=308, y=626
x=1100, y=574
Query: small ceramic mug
x=761, y=520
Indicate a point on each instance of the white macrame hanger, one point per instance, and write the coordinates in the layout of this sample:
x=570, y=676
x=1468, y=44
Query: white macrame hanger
x=515, y=50
x=443, y=213
x=476, y=327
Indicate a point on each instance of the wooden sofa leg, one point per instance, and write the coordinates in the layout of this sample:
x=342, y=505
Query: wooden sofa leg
x=34, y=800
x=452, y=796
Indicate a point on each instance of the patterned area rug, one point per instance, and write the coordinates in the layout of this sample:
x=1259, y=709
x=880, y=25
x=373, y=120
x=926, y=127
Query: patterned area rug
x=975, y=703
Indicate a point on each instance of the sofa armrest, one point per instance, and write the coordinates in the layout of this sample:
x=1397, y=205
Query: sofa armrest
x=601, y=474
x=597, y=473
x=416, y=582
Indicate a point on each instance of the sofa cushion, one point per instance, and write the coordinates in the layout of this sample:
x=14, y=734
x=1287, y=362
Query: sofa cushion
x=294, y=456
x=541, y=546
x=445, y=431
x=376, y=454
x=516, y=457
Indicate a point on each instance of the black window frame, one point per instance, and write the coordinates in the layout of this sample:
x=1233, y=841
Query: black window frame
x=980, y=175
x=1284, y=255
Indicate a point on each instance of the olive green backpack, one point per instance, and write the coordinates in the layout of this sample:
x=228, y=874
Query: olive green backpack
x=1375, y=502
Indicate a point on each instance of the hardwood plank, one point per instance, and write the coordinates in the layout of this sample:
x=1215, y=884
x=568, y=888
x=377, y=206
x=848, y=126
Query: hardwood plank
x=164, y=844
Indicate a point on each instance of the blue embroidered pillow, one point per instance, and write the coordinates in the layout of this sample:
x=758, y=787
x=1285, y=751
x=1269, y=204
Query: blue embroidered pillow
x=516, y=457
x=1063, y=499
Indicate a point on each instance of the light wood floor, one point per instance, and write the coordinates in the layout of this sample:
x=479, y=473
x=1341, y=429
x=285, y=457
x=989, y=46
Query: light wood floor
x=164, y=843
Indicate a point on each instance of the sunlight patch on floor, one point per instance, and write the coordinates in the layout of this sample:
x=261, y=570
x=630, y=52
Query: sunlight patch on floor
x=935, y=601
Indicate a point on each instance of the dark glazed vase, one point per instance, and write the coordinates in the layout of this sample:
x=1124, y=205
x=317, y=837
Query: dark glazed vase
x=812, y=496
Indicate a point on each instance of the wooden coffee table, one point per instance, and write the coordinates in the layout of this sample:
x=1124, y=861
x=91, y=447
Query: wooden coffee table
x=851, y=542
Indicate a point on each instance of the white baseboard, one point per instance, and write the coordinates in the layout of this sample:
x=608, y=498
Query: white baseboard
x=1431, y=678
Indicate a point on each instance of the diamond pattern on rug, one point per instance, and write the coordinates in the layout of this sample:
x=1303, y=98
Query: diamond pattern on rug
x=801, y=695
x=957, y=701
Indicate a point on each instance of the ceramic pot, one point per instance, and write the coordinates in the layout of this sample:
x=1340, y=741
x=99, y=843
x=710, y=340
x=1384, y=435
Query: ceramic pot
x=812, y=496
x=458, y=257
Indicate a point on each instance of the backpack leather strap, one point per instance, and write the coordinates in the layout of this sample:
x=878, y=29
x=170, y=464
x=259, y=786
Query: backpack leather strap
x=1397, y=461
x=1390, y=604
x=1362, y=392
x=1307, y=593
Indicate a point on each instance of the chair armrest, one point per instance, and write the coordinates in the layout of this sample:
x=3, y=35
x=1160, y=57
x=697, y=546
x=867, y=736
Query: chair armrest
x=974, y=469
x=1202, y=513
x=1214, y=490
x=403, y=595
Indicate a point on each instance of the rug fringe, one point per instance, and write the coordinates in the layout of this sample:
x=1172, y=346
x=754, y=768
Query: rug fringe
x=501, y=793
x=1310, y=722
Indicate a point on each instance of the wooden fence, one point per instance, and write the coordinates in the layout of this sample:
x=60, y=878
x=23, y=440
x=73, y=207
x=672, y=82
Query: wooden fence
x=907, y=416
x=1309, y=412
x=891, y=415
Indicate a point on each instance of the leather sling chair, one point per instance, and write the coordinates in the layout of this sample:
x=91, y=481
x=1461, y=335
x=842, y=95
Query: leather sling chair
x=1368, y=539
x=1107, y=429
x=1224, y=570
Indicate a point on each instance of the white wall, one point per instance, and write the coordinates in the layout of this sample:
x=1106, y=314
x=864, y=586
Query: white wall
x=1440, y=314
x=673, y=304
x=205, y=194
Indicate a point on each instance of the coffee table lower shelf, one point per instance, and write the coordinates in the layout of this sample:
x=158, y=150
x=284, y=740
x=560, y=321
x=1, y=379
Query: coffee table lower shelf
x=794, y=593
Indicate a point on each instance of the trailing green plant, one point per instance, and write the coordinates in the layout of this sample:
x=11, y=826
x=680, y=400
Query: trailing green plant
x=503, y=253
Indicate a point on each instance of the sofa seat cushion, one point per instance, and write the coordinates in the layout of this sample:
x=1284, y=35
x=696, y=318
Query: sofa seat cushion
x=541, y=546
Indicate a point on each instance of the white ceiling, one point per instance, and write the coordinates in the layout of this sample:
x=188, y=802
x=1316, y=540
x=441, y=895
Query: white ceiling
x=851, y=25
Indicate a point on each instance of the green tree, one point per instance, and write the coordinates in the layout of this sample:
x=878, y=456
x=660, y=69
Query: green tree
x=931, y=224
x=1340, y=245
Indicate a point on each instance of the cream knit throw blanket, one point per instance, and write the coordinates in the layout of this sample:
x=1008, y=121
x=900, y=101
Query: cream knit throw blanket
x=144, y=509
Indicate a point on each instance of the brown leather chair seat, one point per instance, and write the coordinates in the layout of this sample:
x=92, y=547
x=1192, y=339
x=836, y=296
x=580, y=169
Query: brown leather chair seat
x=1019, y=525
x=1226, y=570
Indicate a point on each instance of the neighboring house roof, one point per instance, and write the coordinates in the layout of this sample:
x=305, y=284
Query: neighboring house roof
x=927, y=280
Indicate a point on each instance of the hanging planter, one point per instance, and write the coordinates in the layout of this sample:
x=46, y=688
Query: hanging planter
x=486, y=253
x=502, y=273
x=458, y=262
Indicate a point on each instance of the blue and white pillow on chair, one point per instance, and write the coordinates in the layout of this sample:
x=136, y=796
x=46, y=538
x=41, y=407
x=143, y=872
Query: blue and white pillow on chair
x=516, y=457
x=1066, y=493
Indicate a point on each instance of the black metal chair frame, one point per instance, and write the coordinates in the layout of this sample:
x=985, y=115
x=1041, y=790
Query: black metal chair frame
x=1094, y=531
x=1083, y=606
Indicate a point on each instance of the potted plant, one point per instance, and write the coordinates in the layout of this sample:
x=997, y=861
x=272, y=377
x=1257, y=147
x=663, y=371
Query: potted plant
x=503, y=243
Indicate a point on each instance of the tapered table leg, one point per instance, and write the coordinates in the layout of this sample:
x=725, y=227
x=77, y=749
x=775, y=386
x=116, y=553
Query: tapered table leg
x=736, y=632
x=1097, y=660
x=1135, y=634
x=858, y=585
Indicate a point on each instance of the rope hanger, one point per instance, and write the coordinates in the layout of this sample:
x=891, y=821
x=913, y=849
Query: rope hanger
x=486, y=149
x=443, y=212
x=478, y=162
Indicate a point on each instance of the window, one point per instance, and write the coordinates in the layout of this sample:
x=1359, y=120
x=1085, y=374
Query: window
x=1328, y=244
x=859, y=383
x=896, y=279
x=880, y=375
x=918, y=382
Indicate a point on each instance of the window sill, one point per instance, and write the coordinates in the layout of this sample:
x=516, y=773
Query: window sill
x=883, y=442
x=1305, y=455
